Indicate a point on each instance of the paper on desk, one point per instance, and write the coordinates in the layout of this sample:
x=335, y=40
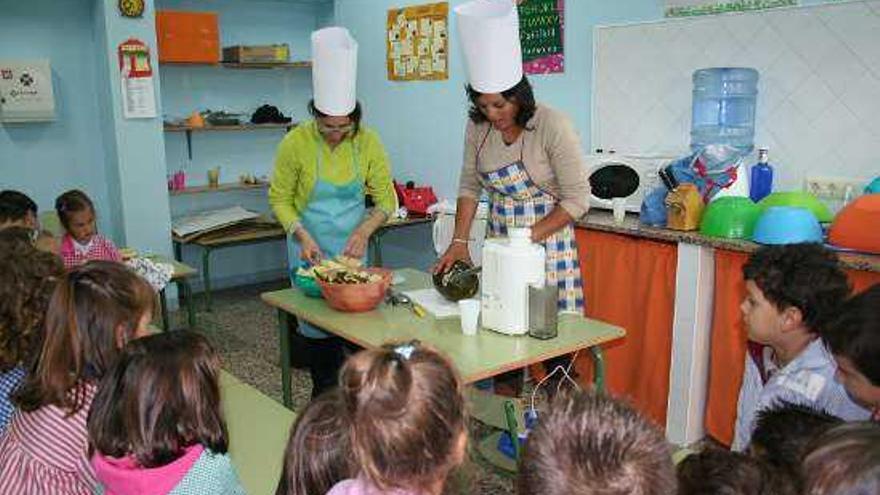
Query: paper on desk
x=434, y=303
x=210, y=220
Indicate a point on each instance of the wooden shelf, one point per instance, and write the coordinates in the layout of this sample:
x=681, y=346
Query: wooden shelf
x=241, y=127
x=303, y=64
x=232, y=186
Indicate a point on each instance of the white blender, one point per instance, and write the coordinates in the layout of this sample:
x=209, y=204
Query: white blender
x=510, y=266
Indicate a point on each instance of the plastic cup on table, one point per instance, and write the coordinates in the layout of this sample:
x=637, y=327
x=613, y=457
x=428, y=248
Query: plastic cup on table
x=618, y=207
x=470, y=315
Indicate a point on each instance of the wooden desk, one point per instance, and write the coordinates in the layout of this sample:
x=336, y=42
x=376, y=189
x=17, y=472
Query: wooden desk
x=476, y=357
x=258, y=232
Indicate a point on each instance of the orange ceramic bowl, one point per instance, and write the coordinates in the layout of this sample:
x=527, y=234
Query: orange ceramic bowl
x=857, y=226
x=356, y=298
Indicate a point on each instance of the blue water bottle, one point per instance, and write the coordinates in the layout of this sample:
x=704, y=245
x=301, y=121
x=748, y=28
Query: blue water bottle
x=761, y=183
x=723, y=107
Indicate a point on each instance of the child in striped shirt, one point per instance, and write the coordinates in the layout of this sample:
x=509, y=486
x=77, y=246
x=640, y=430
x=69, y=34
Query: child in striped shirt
x=82, y=242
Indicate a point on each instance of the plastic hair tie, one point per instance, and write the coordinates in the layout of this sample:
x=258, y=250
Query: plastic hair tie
x=405, y=351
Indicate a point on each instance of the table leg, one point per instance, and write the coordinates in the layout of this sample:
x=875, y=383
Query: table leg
x=185, y=289
x=376, y=248
x=284, y=339
x=598, y=368
x=163, y=307
x=206, y=276
x=178, y=251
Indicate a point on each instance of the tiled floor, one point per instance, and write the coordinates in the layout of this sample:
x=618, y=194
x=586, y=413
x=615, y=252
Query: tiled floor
x=244, y=330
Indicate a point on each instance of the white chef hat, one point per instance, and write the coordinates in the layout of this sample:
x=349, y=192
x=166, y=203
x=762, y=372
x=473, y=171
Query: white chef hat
x=334, y=71
x=489, y=33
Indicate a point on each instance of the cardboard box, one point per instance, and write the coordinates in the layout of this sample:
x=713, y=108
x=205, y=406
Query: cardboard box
x=258, y=53
x=188, y=37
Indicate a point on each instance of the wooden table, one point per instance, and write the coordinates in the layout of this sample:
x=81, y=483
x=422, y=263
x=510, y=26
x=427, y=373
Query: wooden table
x=181, y=275
x=266, y=231
x=476, y=357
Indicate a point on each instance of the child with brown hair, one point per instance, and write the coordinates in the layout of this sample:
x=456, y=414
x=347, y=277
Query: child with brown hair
x=589, y=443
x=724, y=472
x=791, y=291
x=844, y=461
x=94, y=310
x=853, y=336
x=29, y=275
x=82, y=242
x=156, y=426
x=318, y=454
x=406, y=416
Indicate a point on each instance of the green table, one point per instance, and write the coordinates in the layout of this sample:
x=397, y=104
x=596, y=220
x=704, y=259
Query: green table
x=476, y=357
x=258, y=432
x=181, y=275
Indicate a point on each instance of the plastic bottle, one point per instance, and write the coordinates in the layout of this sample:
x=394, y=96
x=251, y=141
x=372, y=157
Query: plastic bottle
x=723, y=110
x=761, y=183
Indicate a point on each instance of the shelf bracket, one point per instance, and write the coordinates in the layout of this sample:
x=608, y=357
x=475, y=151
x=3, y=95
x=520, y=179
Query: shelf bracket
x=189, y=144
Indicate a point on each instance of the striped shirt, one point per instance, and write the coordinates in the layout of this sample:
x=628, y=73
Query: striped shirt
x=807, y=380
x=9, y=381
x=45, y=451
x=98, y=248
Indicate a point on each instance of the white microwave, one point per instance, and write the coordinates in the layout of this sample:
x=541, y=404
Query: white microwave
x=623, y=175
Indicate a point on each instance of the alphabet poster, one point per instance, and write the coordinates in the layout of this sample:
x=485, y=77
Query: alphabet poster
x=418, y=44
x=541, y=35
x=688, y=8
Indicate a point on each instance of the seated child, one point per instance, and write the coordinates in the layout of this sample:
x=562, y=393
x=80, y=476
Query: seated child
x=844, y=461
x=29, y=275
x=94, y=310
x=18, y=210
x=156, y=425
x=318, y=454
x=782, y=434
x=790, y=291
x=854, y=339
x=82, y=242
x=589, y=443
x=406, y=416
x=723, y=472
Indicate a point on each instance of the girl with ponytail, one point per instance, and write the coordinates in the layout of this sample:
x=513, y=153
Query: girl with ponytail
x=94, y=311
x=406, y=416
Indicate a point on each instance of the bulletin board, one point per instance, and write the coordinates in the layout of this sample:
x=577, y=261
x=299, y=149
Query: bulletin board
x=418, y=43
x=541, y=25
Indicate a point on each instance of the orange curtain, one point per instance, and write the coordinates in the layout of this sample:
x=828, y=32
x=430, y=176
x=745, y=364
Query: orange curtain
x=728, y=348
x=630, y=282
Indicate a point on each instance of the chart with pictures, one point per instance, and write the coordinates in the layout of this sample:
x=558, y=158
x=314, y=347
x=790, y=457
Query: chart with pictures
x=541, y=33
x=418, y=43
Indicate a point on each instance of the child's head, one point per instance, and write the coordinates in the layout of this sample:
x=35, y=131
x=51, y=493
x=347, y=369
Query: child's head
x=723, y=472
x=17, y=210
x=77, y=215
x=160, y=397
x=29, y=275
x=783, y=432
x=854, y=339
x=318, y=453
x=790, y=288
x=95, y=309
x=844, y=461
x=406, y=412
x=589, y=443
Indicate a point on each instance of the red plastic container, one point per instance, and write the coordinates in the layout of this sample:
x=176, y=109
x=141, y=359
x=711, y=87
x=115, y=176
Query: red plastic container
x=857, y=226
x=357, y=298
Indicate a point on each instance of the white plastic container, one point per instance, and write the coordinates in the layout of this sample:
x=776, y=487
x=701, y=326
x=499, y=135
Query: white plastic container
x=510, y=265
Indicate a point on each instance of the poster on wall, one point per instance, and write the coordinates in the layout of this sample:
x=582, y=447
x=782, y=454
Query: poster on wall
x=418, y=44
x=136, y=76
x=541, y=35
x=688, y=8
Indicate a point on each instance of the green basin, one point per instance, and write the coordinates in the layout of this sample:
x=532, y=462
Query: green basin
x=731, y=217
x=800, y=199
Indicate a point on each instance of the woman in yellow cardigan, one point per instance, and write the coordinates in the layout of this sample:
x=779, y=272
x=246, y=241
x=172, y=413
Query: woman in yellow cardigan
x=324, y=168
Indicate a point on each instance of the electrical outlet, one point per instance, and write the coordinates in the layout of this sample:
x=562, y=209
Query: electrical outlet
x=836, y=188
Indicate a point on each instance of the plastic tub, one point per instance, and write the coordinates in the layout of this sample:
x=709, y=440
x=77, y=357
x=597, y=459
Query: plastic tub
x=857, y=226
x=787, y=225
x=800, y=199
x=731, y=217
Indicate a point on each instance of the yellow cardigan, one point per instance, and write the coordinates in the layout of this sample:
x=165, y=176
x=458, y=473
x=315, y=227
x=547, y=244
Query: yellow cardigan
x=296, y=163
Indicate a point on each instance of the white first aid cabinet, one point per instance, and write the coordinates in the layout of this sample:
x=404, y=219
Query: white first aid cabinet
x=26, y=91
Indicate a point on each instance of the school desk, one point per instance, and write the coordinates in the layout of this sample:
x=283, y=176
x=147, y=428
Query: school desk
x=180, y=276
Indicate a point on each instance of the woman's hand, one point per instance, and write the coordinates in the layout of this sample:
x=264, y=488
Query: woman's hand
x=456, y=251
x=356, y=246
x=309, y=249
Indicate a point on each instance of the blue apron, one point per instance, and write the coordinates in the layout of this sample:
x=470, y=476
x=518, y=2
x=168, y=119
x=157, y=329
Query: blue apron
x=331, y=215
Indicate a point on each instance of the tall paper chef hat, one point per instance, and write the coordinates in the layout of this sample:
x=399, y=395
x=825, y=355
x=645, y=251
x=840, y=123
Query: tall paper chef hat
x=489, y=33
x=334, y=71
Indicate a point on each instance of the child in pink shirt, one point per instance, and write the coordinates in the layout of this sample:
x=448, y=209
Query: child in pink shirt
x=81, y=242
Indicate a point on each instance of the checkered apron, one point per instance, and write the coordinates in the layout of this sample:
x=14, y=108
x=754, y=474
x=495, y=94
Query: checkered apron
x=516, y=201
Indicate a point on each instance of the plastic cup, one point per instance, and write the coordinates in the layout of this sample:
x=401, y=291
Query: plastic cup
x=214, y=177
x=618, y=207
x=470, y=315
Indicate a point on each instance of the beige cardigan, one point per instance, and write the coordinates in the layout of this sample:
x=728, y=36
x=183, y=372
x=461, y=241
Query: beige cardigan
x=551, y=152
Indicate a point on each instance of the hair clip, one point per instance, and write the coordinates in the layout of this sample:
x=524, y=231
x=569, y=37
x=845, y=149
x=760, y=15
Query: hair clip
x=405, y=351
